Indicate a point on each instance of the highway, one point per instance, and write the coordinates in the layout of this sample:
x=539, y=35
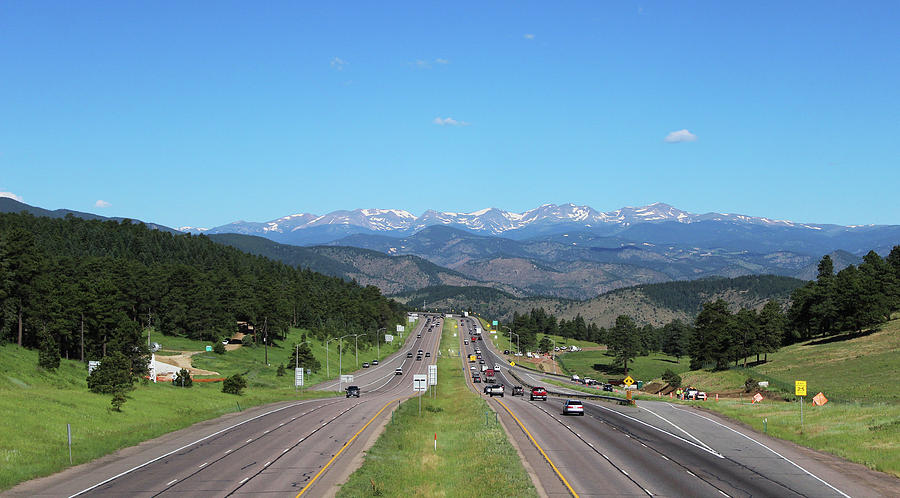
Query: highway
x=287, y=449
x=655, y=448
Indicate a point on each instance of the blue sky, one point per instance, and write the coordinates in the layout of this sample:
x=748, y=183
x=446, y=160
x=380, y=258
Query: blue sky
x=203, y=113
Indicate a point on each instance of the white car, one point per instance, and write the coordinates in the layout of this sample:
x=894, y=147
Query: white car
x=701, y=396
x=573, y=407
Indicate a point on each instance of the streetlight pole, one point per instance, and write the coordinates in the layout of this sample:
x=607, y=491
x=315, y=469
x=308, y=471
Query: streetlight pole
x=341, y=361
x=327, y=371
x=518, y=349
x=377, y=342
x=356, y=347
x=510, y=334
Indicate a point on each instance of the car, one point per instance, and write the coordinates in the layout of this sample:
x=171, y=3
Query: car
x=505, y=351
x=473, y=367
x=418, y=357
x=409, y=354
x=481, y=362
x=420, y=351
x=352, y=391
x=608, y=387
x=538, y=393
x=365, y=364
x=573, y=407
x=701, y=396
x=476, y=379
x=494, y=390
x=374, y=362
x=428, y=354
x=466, y=342
x=398, y=371
x=497, y=366
x=418, y=336
x=518, y=391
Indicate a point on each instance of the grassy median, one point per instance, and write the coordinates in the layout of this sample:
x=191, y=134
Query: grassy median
x=473, y=456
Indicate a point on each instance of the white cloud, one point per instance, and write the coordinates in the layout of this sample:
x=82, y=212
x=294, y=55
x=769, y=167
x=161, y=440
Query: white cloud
x=422, y=64
x=102, y=204
x=529, y=36
x=440, y=60
x=449, y=122
x=338, y=64
x=12, y=196
x=680, y=136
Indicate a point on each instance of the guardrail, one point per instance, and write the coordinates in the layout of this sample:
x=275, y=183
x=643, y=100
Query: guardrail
x=579, y=395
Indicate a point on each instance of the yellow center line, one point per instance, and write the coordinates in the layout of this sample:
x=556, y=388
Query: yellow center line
x=342, y=449
x=558, y=473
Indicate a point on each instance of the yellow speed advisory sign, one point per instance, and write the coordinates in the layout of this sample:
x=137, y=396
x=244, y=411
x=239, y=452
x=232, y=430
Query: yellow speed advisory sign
x=628, y=381
x=800, y=388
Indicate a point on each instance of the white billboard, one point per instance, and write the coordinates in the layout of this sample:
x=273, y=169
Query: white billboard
x=432, y=375
x=388, y=338
x=419, y=381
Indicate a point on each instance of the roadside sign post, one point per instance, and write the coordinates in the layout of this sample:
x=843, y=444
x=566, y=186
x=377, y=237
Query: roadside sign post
x=298, y=378
x=420, y=382
x=69, y=435
x=800, y=390
x=432, y=379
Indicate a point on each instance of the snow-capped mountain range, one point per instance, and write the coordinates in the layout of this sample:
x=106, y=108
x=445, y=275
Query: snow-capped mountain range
x=490, y=221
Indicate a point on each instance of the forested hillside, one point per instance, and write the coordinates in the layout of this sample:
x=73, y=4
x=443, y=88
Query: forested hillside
x=59, y=277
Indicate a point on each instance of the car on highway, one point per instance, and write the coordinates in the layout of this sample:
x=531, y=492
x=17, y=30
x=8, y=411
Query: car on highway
x=476, y=379
x=418, y=336
x=419, y=357
x=428, y=354
x=573, y=407
x=481, y=362
x=466, y=342
x=538, y=393
x=398, y=371
x=494, y=390
x=518, y=391
x=420, y=351
x=374, y=362
x=352, y=391
x=473, y=367
x=409, y=354
x=497, y=366
x=365, y=364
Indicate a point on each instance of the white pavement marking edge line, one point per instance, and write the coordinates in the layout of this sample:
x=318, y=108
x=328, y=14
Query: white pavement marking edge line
x=766, y=447
x=189, y=445
x=676, y=436
x=676, y=426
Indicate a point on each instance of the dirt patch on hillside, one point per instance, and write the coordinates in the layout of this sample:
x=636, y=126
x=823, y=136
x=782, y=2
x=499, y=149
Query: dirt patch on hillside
x=183, y=360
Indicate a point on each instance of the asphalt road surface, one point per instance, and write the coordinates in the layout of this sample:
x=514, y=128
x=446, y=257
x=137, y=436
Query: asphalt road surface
x=659, y=448
x=285, y=449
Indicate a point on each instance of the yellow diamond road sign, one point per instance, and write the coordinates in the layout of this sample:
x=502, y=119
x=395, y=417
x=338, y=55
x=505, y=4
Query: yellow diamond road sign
x=800, y=388
x=628, y=381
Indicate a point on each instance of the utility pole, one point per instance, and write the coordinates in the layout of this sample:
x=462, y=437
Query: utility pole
x=266, y=338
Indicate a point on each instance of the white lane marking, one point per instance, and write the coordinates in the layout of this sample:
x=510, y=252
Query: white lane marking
x=723, y=493
x=657, y=429
x=770, y=449
x=285, y=450
x=675, y=426
x=171, y=482
x=244, y=480
x=267, y=431
x=251, y=439
x=267, y=464
x=228, y=451
x=83, y=491
x=204, y=464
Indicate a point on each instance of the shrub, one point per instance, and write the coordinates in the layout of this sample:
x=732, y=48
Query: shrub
x=219, y=348
x=280, y=371
x=118, y=400
x=749, y=384
x=113, y=374
x=183, y=379
x=671, y=378
x=234, y=384
x=48, y=355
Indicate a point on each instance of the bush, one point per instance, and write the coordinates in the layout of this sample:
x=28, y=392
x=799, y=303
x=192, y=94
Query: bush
x=219, y=348
x=118, y=400
x=234, y=384
x=183, y=379
x=113, y=374
x=671, y=378
x=280, y=371
x=749, y=384
x=48, y=355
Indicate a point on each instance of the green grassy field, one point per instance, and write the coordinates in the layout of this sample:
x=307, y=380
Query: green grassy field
x=251, y=359
x=36, y=405
x=403, y=461
x=859, y=375
x=598, y=365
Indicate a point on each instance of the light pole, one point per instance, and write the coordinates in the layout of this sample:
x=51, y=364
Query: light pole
x=356, y=347
x=341, y=361
x=377, y=342
x=518, y=349
x=510, y=334
x=327, y=371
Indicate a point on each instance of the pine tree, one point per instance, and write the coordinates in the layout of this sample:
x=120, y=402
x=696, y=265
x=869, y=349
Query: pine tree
x=624, y=341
